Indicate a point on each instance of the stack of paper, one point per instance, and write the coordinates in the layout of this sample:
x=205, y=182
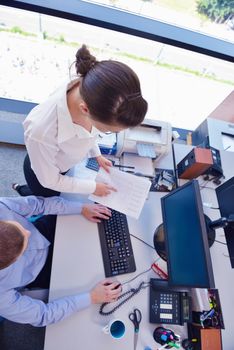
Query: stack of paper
x=142, y=165
x=131, y=192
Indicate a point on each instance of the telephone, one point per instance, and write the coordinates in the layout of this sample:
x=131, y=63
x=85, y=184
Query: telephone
x=169, y=306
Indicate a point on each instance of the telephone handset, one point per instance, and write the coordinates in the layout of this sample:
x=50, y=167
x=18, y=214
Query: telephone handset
x=168, y=305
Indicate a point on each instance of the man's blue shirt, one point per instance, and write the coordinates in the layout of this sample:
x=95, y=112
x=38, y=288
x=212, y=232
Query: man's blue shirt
x=21, y=308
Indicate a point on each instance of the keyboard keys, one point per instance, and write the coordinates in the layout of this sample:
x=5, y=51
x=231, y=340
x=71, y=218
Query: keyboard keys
x=92, y=164
x=116, y=245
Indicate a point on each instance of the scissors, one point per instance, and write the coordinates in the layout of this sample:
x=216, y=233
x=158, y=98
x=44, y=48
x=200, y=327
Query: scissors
x=135, y=317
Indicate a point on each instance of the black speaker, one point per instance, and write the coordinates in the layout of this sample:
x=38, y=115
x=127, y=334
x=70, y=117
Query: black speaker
x=216, y=169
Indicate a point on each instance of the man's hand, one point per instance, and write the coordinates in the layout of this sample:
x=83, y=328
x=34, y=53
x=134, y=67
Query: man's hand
x=103, y=189
x=105, y=292
x=104, y=163
x=95, y=212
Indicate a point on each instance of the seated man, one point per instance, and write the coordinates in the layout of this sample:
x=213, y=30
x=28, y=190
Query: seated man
x=25, y=259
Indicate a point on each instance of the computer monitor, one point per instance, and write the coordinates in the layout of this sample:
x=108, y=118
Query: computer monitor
x=187, y=249
x=225, y=196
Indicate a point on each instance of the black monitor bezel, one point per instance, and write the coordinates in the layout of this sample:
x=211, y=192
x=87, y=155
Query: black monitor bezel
x=228, y=230
x=222, y=187
x=204, y=237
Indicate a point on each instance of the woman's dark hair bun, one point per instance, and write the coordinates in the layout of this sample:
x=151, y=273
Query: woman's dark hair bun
x=84, y=61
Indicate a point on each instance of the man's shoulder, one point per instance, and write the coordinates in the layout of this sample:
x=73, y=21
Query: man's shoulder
x=3, y=204
x=5, y=281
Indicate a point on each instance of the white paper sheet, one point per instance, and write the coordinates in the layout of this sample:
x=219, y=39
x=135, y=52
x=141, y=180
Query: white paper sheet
x=142, y=165
x=131, y=192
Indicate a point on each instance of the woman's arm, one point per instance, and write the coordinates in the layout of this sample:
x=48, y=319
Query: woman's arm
x=43, y=162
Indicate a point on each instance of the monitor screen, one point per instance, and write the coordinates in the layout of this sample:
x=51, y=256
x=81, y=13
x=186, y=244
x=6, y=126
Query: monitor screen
x=225, y=196
x=188, y=255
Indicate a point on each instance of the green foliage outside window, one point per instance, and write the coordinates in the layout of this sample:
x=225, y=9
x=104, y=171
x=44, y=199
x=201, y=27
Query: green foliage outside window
x=217, y=10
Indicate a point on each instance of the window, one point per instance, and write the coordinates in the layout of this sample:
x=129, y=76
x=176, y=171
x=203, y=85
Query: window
x=181, y=86
x=183, y=13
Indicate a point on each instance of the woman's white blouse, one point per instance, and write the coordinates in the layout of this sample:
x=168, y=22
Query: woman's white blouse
x=55, y=144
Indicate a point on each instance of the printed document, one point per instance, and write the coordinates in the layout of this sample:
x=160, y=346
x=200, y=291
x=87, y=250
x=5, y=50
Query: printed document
x=131, y=192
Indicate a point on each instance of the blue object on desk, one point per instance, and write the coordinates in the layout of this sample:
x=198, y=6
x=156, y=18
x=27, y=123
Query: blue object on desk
x=34, y=218
x=109, y=150
x=108, y=143
x=92, y=164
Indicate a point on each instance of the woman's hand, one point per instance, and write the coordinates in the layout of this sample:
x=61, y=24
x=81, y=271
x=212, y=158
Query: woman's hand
x=103, y=189
x=95, y=212
x=104, y=163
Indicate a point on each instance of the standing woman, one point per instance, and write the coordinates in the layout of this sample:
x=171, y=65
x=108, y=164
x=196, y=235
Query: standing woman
x=62, y=131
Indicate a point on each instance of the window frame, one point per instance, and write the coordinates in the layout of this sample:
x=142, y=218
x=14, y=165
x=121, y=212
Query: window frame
x=122, y=21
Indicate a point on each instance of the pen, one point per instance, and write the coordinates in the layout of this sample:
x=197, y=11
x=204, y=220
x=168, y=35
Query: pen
x=139, y=174
x=162, y=347
x=124, y=166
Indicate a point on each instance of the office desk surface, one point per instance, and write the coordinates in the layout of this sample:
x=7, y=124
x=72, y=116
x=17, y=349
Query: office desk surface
x=77, y=266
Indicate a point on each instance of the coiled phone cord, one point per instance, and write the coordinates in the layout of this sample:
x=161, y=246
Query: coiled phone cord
x=129, y=294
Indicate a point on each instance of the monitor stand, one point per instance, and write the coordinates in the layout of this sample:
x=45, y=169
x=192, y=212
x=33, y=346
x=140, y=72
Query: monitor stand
x=159, y=241
x=210, y=231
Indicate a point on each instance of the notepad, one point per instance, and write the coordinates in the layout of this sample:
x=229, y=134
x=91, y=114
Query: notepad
x=131, y=192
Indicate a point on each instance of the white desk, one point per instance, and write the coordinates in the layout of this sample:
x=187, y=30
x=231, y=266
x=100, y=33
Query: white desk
x=77, y=266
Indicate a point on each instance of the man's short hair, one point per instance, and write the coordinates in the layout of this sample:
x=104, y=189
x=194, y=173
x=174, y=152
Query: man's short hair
x=11, y=243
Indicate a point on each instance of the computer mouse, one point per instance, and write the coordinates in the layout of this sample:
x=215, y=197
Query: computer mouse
x=108, y=283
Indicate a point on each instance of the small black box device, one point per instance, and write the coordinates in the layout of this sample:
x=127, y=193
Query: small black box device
x=216, y=168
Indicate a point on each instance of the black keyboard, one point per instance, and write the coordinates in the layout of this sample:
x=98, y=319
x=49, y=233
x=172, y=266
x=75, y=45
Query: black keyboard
x=116, y=245
x=92, y=164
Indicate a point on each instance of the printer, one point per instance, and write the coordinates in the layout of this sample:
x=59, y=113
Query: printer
x=150, y=139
